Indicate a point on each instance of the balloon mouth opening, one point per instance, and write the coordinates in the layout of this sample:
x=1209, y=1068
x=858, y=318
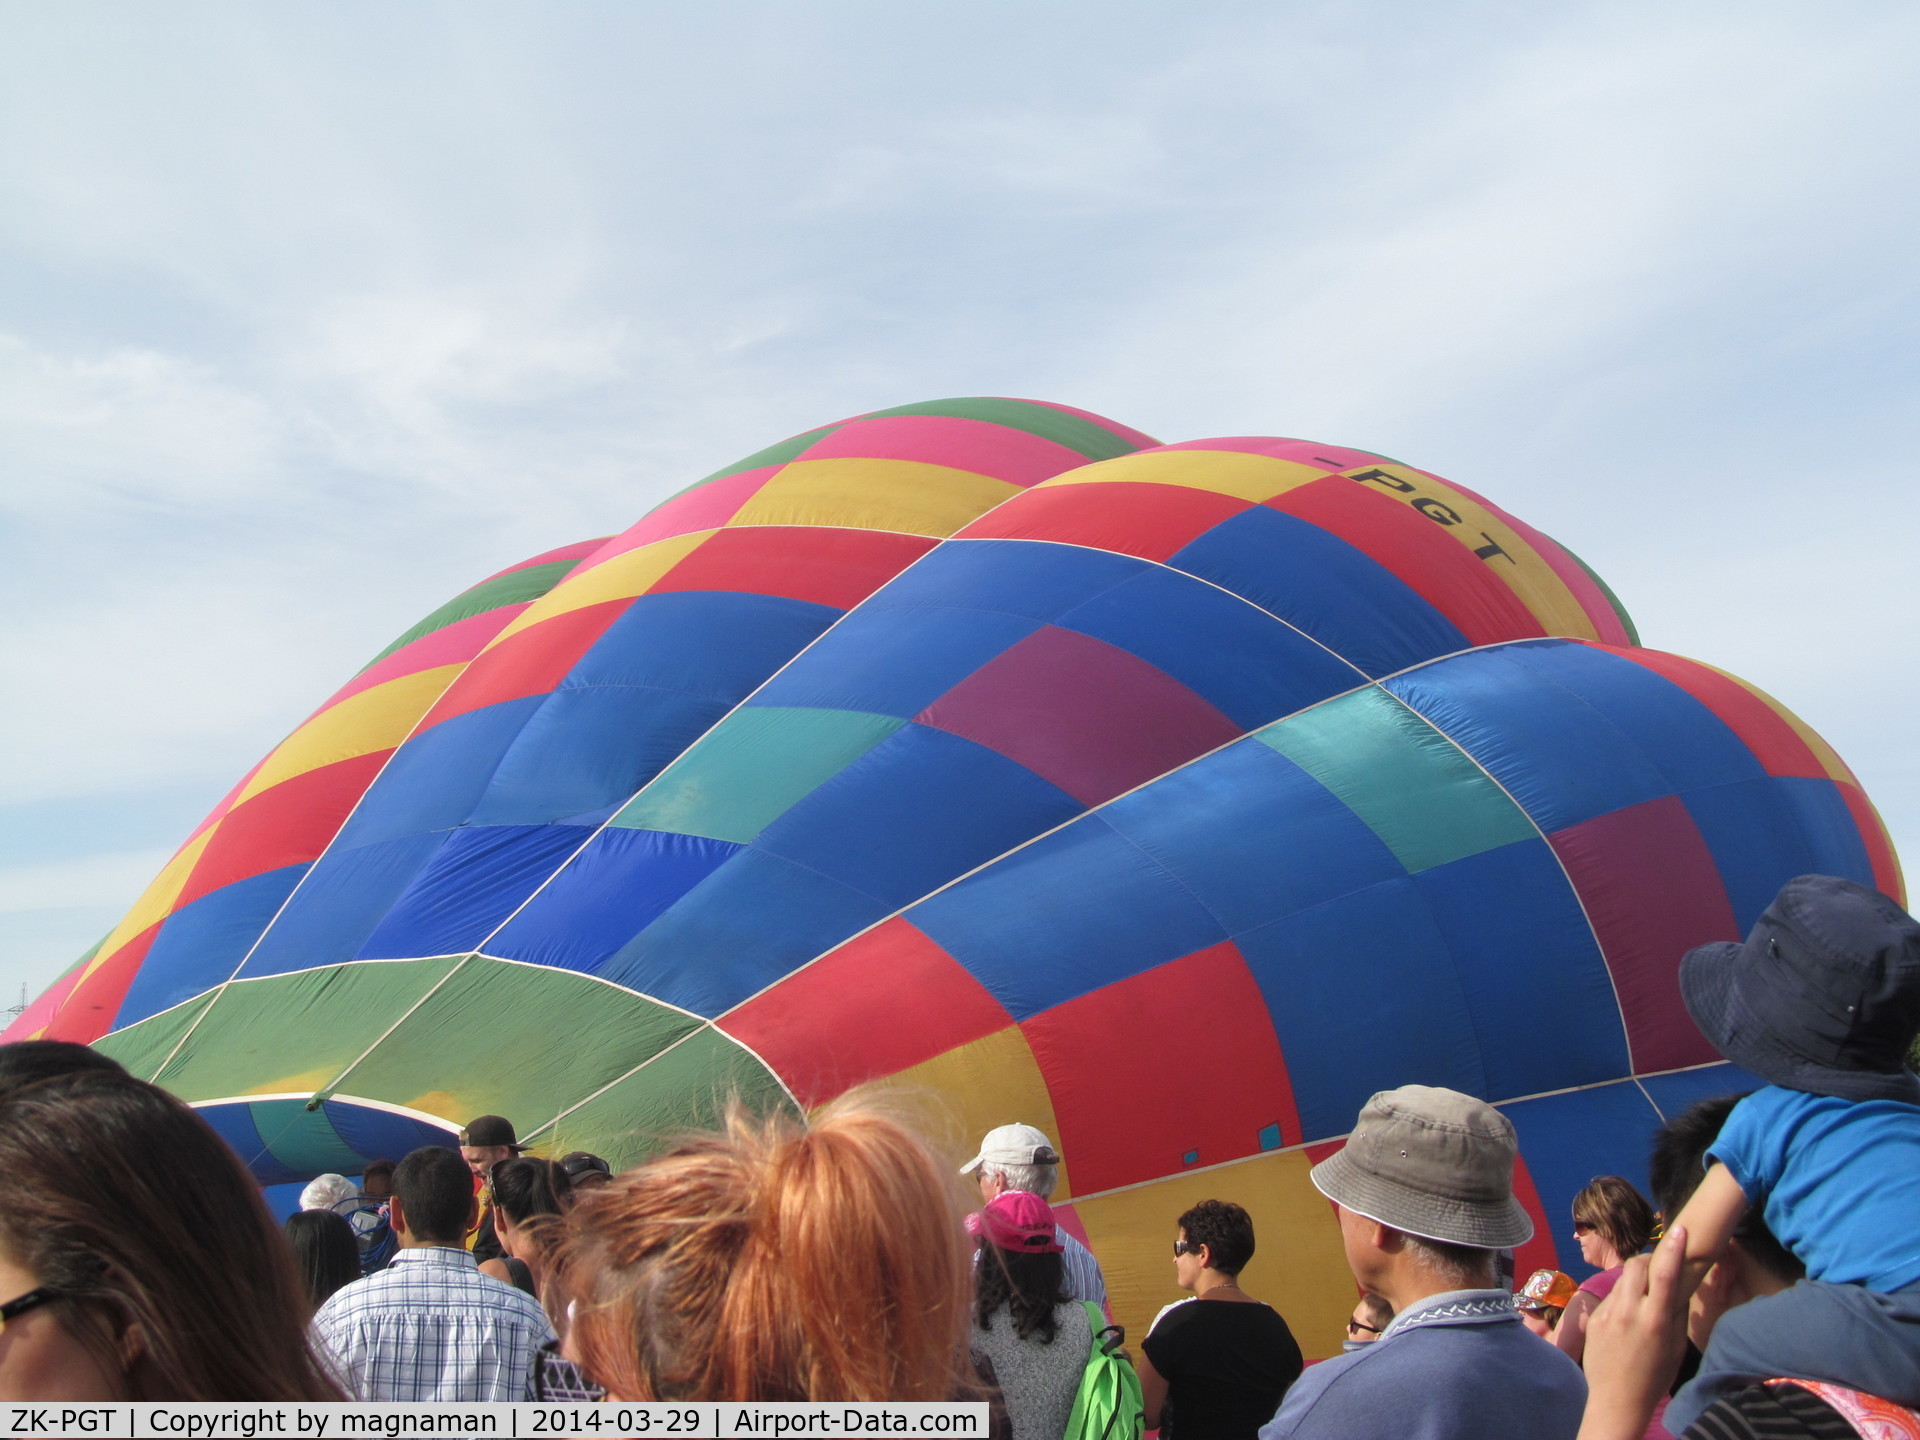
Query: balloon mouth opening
x=282, y=1139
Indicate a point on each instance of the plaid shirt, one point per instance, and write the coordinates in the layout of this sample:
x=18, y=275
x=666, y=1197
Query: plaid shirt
x=431, y=1327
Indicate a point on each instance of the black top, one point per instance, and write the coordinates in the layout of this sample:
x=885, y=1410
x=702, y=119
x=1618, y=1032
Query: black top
x=486, y=1244
x=1226, y=1365
x=522, y=1277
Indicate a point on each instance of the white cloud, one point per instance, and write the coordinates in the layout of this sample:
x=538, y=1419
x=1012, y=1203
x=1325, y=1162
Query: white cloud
x=126, y=425
x=113, y=877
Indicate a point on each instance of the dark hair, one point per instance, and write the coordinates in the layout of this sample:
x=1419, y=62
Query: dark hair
x=124, y=1201
x=1225, y=1229
x=24, y=1061
x=585, y=1170
x=1678, y=1163
x=325, y=1251
x=1028, y=1285
x=377, y=1167
x=1621, y=1214
x=1379, y=1309
x=435, y=1189
x=526, y=1186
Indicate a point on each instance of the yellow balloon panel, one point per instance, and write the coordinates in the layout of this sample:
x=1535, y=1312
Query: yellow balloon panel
x=624, y=576
x=378, y=718
x=898, y=495
x=985, y=1083
x=1247, y=477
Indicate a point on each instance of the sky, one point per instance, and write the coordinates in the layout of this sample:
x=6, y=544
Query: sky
x=312, y=315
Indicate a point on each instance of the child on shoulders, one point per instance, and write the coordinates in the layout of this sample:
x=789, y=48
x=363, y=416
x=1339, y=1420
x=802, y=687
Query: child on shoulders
x=1822, y=1000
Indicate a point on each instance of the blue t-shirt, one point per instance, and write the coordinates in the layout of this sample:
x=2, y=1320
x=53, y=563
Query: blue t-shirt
x=1838, y=1181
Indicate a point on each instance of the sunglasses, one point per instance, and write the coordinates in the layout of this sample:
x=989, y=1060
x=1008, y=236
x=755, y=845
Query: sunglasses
x=20, y=1305
x=1355, y=1325
x=1187, y=1247
x=1584, y=1227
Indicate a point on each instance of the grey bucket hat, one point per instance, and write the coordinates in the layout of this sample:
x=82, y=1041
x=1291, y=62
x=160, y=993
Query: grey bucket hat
x=1432, y=1163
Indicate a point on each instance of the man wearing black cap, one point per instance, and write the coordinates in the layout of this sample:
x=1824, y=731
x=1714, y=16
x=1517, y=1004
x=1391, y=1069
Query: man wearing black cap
x=484, y=1143
x=1424, y=1194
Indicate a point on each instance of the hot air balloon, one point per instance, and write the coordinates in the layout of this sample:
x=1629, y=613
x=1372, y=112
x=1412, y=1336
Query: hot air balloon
x=1172, y=798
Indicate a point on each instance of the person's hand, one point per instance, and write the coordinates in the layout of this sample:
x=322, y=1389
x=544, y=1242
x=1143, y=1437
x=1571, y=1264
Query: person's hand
x=1718, y=1293
x=1634, y=1343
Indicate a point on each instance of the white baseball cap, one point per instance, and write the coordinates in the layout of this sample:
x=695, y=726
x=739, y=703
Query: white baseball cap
x=1013, y=1145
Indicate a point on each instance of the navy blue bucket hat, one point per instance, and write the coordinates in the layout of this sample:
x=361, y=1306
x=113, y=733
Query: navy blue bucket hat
x=1823, y=996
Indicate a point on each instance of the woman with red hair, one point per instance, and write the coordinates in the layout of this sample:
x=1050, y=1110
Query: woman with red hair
x=772, y=1262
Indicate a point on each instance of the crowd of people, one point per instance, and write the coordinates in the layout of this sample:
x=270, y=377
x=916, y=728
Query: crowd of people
x=842, y=1259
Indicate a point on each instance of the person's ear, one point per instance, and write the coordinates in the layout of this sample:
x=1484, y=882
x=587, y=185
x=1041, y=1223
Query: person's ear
x=1205, y=1256
x=130, y=1346
x=397, y=1217
x=473, y=1213
x=1383, y=1237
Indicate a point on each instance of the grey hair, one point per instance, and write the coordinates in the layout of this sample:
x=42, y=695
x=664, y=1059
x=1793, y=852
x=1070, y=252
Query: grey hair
x=1460, y=1267
x=325, y=1192
x=1034, y=1179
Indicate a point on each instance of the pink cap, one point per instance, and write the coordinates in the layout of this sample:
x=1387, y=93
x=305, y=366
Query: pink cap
x=1017, y=1221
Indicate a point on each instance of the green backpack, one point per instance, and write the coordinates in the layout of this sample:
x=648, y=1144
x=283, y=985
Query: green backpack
x=1108, y=1405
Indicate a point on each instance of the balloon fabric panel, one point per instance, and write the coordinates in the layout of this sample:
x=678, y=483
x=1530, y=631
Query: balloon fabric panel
x=1250, y=668
x=339, y=903
x=1383, y=941
x=291, y=824
x=1338, y=595
x=919, y=808
x=1426, y=800
x=893, y=662
x=98, y=992
x=507, y=590
x=473, y=884
x=1648, y=883
x=751, y=768
x=1080, y=713
x=985, y=746
x=201, y=944
x=381, y=1133
x=1756, y=827
x=1150, y=521
x=526, y=662
x=1685, y=741
x=1251, y=835
x=755, y=918
x=1105, y=1062
x=587, y=748
x=433, y=781
x=610, y=892
x=876, y=1005
x=1560, y=759
x=1469, y=530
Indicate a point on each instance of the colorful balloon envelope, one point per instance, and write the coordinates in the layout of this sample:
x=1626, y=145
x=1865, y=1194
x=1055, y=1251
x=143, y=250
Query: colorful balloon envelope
x=1172, y=798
